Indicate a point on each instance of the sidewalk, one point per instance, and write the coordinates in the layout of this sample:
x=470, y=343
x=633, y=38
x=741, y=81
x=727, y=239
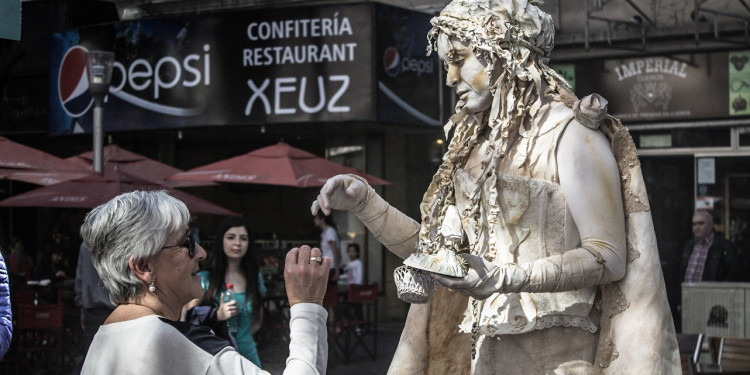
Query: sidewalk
x=273, y=355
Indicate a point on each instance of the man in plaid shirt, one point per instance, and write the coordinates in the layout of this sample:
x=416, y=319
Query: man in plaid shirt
x=708, y=256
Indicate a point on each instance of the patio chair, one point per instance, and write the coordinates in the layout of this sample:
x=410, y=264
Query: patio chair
x=731, y=353
x=690, y=351
x=356, y=322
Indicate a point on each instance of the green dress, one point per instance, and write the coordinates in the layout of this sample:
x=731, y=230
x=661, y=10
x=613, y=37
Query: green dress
x=244, y=337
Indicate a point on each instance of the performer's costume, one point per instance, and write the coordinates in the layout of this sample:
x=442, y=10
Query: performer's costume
x=556, y=302
x=627, y=323
x=515, y=215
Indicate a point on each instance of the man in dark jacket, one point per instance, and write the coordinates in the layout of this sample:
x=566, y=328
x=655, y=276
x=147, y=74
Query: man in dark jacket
x=708, y=256
x=6, y=323
x=92, y=297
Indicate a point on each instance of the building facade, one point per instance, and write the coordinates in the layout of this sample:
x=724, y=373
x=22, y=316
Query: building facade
x=200, y=81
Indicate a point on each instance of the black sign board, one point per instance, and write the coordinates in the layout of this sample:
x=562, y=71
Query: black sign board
x=658, y=88
x=280, y=65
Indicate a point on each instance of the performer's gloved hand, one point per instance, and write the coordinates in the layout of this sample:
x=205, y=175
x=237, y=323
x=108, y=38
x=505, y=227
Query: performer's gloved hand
x=341, y=192
x=478, y=270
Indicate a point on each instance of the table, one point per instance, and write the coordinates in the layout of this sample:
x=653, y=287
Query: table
x=703, y=369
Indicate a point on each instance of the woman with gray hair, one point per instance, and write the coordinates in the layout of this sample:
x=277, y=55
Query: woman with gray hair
x=147, y=259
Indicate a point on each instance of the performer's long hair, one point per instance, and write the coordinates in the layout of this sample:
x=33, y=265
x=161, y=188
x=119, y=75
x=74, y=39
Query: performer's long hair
x=515, y=38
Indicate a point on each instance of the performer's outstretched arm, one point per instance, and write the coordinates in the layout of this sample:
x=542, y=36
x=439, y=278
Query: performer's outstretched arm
x=395, y=230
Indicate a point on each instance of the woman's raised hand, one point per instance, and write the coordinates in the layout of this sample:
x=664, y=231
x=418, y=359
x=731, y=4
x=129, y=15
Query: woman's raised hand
x=306, y=275
x=341, y=192
x=226, y=309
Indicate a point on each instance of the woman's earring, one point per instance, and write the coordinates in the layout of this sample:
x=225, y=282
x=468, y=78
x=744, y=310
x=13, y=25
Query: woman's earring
x=152, y=287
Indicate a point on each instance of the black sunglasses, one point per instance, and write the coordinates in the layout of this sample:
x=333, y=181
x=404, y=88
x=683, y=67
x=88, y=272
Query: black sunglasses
x=189, y=243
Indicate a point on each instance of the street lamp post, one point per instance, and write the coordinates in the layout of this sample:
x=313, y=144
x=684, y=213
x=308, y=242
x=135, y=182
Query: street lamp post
x=99, y=70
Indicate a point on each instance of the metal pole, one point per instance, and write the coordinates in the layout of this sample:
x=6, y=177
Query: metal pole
x=696, y=17
x=586, y=26
x=99, y=70
x=98, y=138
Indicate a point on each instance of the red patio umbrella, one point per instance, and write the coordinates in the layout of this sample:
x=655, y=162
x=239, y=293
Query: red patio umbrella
x=23, y=163
x=135, y=164
x=91, y=191
x=279, y=164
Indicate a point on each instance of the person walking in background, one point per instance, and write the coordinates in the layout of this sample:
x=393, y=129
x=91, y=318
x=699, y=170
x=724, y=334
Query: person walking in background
x=53, y=266
x=354, y=267
x=91, y=297
x=143, y=251
x=20, y=263
x=6, y=317
x=329, y=243
x=233, y=263
x=708, y=256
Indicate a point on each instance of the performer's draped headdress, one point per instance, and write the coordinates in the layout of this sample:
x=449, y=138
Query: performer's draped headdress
x=515, y=38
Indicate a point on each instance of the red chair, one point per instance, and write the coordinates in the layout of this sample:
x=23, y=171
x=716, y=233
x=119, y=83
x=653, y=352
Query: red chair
x=356, y=322
x=25, y=295
x=39, y=335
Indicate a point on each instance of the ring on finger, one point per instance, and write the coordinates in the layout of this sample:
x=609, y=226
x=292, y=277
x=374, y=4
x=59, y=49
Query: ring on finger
x=317, y=259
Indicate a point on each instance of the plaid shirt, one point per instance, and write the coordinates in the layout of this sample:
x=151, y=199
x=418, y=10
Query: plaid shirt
x=698, y=259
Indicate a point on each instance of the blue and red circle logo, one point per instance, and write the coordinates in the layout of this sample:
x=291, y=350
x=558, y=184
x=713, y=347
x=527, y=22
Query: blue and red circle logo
x=73, y=83
x=392, y=61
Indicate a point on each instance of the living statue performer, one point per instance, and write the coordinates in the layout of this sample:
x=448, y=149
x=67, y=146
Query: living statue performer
x=542, y=196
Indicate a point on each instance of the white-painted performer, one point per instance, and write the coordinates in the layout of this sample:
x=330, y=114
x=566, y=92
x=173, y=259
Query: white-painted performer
x=543, y=196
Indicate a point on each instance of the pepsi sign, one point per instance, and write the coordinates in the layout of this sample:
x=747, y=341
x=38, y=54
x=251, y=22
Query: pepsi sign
x=392, y=61
x=73, y=83
x=394, y=64
x=140, y=83
x=305, y=64
x=408, y=82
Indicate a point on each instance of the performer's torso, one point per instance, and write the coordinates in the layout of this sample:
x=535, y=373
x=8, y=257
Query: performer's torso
x=522, y=218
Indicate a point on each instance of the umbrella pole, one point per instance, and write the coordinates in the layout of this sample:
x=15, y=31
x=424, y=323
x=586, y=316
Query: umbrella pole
x=279, y=219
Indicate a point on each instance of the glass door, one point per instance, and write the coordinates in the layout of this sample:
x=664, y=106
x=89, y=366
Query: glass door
x=723, y=188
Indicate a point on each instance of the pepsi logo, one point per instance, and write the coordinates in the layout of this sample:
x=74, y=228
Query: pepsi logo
x=392, y=61
x=73, y=83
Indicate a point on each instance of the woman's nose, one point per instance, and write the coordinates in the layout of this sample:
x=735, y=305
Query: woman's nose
x=200, y=253
x=452, y=77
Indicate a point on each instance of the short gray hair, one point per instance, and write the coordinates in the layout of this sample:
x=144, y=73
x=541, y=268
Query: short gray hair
x=706, y=214
x=132, y=225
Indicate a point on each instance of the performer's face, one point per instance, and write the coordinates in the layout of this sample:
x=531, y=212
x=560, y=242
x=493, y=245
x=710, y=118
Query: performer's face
x=466, y=74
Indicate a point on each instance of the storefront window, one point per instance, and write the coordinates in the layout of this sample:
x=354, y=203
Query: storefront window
x=682, y=138
x=744, y=139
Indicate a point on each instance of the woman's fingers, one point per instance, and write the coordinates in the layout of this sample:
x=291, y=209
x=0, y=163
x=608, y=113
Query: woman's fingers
x=291, y=257
x=304, y=255
x=306, y=278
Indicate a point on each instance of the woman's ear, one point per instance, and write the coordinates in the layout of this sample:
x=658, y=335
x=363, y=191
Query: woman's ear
x=142, y=269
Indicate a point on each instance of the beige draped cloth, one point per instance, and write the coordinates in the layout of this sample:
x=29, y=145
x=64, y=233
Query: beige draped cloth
x=636, y=334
